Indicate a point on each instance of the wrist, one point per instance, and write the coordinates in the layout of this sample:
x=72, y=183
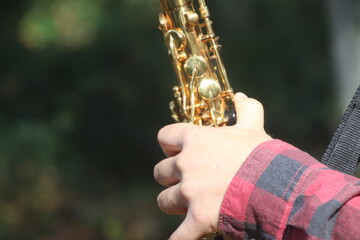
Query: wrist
x=245, y=201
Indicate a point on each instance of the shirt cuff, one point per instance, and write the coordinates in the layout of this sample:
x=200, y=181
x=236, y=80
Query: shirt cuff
x=259, y=199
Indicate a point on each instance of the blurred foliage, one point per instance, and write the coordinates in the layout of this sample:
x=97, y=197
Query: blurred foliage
x=85, y=86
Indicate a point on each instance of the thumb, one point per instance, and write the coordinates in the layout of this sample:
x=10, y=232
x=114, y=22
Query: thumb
x=249, y=112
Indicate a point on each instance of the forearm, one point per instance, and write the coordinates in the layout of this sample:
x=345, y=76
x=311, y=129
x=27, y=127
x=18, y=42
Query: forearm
x=281, y=191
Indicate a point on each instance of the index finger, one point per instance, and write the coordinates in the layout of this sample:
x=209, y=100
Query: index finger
x=170, y=138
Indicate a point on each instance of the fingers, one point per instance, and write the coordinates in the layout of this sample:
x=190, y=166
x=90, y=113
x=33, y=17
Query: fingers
x=188, y=230
x=171, y=201
x=166, y=173
x=249, y=112
x=170, y=138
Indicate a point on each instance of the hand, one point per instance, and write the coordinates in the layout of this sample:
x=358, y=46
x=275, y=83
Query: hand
x=201, y=164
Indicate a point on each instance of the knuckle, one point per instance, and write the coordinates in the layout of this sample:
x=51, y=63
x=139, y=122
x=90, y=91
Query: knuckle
x=199, y=217
x=187, y=190
x=191, y=134
x=181, y=163
x=188, y=134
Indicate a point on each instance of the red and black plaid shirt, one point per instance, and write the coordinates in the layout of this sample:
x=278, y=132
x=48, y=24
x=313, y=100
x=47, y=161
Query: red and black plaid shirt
x=281, y=192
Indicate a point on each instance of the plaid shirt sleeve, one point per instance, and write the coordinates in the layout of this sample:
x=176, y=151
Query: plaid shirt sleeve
x=281, y=192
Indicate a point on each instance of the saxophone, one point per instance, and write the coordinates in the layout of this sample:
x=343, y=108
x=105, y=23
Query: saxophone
x=203, y=95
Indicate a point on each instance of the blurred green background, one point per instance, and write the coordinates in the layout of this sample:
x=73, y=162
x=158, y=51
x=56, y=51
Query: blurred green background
x=85, y=86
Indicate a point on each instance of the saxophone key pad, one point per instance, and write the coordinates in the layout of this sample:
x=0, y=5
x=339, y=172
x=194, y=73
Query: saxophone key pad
x=196, y=63
x=209, y=88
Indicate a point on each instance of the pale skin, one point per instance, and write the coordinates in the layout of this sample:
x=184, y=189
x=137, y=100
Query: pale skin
x=200, y=164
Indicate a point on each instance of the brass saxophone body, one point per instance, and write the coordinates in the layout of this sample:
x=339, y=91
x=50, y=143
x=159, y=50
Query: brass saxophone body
x=203, y=95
